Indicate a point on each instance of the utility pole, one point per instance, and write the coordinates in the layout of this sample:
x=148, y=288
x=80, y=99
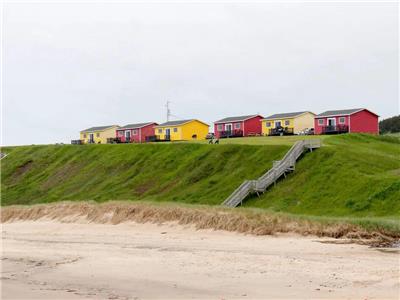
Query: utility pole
x=168, y=111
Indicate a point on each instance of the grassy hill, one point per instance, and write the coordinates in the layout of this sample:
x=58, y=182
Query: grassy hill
x=184, y=172
x=352, y=175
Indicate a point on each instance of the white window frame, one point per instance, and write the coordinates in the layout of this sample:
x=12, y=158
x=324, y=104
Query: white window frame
x=327, y=121
x=134, y=131
x=344, y=120
x=288, y=121
x=220, y=127
x=226, y=126
x=175, y=129
x=237, y=126
x=321, y=122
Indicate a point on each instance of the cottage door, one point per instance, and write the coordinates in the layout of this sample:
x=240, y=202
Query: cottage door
x=127, y=136
x=228, y=127
x=91, y=138
x=331, y=122
x=167, y=134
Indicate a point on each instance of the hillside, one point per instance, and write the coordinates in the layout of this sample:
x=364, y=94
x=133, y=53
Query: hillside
x=190, y=173
x=352, y=175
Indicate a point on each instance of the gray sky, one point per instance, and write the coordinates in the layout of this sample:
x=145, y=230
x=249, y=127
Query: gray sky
x=67, y=67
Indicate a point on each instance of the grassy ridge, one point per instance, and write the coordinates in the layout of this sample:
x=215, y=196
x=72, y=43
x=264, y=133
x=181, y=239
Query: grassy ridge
x=352, y=175
x=189, y=173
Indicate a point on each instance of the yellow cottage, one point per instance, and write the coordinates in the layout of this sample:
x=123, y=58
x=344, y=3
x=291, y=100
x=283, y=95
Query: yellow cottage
x=98, y=135
x=288, y=123
x=183, y=130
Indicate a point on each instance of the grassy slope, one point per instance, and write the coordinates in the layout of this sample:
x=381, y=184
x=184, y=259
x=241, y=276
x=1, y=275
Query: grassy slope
x=355, y=175
x=190, y=173
x=352, y=175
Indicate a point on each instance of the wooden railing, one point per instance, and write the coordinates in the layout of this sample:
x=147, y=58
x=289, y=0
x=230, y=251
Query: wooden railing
x=278, y=170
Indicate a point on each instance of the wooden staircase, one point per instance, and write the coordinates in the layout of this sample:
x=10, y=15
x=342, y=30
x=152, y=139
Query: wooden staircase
x=280, y=168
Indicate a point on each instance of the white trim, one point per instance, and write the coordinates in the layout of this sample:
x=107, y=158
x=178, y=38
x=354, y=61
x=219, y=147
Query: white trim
x=130, y=133
x=344, y=120
x=323, y=121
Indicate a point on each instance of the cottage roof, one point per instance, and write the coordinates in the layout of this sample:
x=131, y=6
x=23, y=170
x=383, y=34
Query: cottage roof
x=179, y=122
x=136, y=126
x=342, y=112
x=286, y=115
x=99, y=128
x=236, y=119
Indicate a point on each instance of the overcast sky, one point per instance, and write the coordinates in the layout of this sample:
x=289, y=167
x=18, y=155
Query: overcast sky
x=67, y=67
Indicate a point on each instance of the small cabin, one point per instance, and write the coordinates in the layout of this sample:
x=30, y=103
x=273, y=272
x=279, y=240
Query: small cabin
x=358, y=120
x=238, y=126
x=98, y=134
x=288, y=123
x=182, y=130
x=136, y=133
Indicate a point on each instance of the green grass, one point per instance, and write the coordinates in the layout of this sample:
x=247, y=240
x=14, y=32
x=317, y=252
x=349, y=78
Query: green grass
x=351, y=176
x=356, y=175
x=189, y=173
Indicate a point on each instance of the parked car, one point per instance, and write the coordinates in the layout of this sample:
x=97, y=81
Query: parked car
x=307, y=131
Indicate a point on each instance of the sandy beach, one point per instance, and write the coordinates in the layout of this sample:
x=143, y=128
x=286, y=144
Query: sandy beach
x=52, y=260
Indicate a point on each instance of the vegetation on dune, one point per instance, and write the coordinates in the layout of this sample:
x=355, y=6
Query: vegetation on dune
x=244, y=220
x=350, y=176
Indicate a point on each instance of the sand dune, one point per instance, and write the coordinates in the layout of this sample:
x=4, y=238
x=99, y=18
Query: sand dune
x=52, y=260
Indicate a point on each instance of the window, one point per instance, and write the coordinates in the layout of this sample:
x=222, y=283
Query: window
x=84, y=136
x=342, y=120
x=134, y=131
x=320, y=121
x=175, y=129
x=268, y=124
x=277, y=124
x=237, y=125
x=159, y=130
x=219, y=127
x=287, y=122
x=98, y=134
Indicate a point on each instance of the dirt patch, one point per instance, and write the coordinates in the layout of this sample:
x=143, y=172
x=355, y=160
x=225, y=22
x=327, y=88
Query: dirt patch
x=60, y=175
x=20, y=171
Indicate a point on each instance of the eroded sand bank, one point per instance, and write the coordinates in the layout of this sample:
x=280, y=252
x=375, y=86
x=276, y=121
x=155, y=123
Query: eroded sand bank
x=52, y=260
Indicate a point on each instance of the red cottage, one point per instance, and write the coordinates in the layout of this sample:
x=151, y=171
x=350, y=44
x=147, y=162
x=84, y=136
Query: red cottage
x=136, y=133
x=359, y=120
x=238, y=126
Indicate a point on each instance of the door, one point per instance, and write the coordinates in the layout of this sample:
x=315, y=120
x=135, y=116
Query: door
x=332, y=122
x=228, y=127
x=127, y=136
x=91, y=138
x=168, y=134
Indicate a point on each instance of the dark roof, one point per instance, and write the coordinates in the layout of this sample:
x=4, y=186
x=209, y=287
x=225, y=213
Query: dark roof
x=180, y=122
x=138, y=125
x=235, y=119
x=285, y=115
x=98, y=128
x=339, y=112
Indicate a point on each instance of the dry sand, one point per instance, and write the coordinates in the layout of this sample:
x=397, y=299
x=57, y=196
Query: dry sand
x=52, y=260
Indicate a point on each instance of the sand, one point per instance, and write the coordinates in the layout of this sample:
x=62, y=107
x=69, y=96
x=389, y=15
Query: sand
x=52, y=260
